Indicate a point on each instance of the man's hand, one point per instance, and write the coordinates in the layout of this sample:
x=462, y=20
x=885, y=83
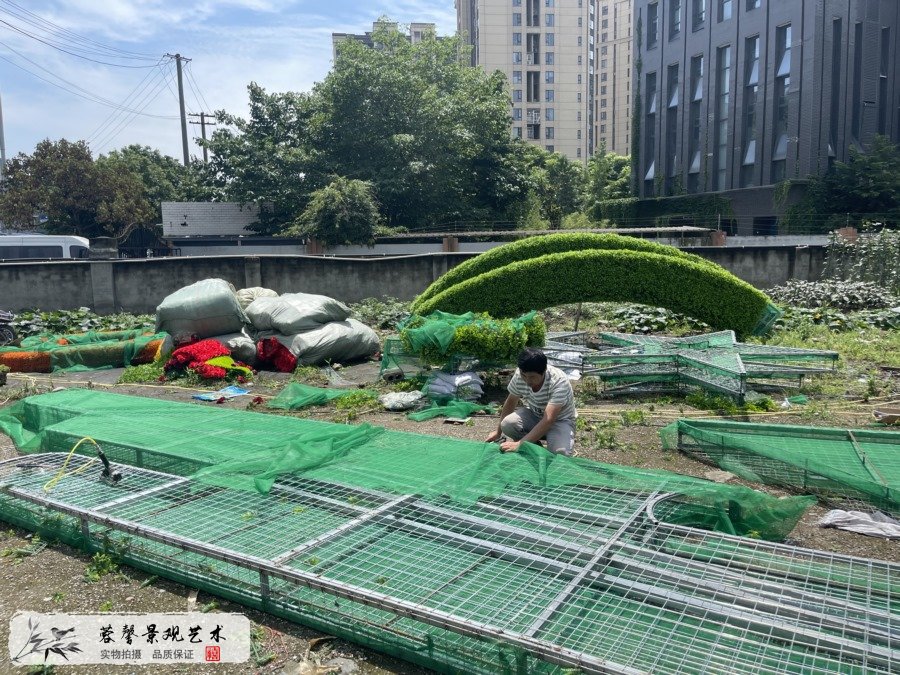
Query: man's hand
x=510, y=446
x=495, y=435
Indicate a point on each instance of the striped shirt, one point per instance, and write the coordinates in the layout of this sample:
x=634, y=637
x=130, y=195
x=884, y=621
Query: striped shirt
x=556, y=390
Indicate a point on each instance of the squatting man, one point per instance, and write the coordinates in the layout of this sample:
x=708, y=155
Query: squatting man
x=540, y=405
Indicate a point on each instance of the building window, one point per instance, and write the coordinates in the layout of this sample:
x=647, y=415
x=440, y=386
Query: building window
x=517, y=58
x=604, y=23
x=578, y=97
x=724, y=10
x=549, y=20
x=548, y=132
x=517, y=77
x=548, y=95
x=579, y=40
x=549, y=114
x=549, y=38
x=698, y=14
x=579, y=22
x=650, y=135
x=603, y=90
x=837, y=36
x=603, y=116
x=517, y=132
x=517, y=38
x=652, y=24
x=578, y=134
x=548, y=58
x=674, y=18
x=517, y=18
x=883, y=80
x=672, y=128
x=723, y=98
x=856, y=111
x=517, y=3
x=753, y=4
x=578, y=152
x=517, y=114
x=549, y=76
x=602, y=128
x=579, y=78
x=782, y=83
x=603, y=51
x=695, y=125
x=751, y=94
x=517, y=95
x=578, y=116
x=532, y=87
x=550, y=148
x=549, y=3
x=579, y=59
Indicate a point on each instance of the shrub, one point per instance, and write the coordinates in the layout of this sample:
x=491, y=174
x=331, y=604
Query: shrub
x=533, y=247
x=703, y=291
x=847, y=296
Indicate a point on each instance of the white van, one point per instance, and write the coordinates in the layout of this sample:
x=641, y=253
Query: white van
x=42, y=247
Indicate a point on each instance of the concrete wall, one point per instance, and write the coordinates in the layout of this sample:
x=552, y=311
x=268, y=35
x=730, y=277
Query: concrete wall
x=138, y=286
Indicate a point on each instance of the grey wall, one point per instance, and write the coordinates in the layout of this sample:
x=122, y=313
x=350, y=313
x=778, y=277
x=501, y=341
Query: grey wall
x=138, y=286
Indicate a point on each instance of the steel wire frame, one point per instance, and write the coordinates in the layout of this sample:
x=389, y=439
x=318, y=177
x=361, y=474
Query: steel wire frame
x=575, y=577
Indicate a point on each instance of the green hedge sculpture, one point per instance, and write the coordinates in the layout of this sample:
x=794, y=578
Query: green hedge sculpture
x=532, y=247
x=680, y=283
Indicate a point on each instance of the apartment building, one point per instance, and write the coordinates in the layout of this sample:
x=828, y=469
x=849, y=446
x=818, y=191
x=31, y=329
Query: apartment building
x=416, y=32
x=743, y=94
x=612, y=113
x=548, y=51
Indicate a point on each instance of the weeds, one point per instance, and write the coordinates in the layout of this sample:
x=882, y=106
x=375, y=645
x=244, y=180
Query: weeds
x=309, y=375
x=355, y=404
x=147, y=373
x=106, y=606
x=261, y=655
x=19, y=553
x=633, y=418
x=102, y=563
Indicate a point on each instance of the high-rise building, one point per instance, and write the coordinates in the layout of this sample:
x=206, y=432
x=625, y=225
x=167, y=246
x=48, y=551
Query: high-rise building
x=741, y=94
x=547, y=50
x=612, y=113
x=416, y=32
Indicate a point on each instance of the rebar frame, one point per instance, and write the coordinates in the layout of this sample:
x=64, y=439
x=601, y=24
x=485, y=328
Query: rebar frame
x=578, y=577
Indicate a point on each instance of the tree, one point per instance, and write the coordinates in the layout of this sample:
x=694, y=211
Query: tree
x=264, y=158
x=865, y=188
x=343, y=212
x=608, y=177
x=77, y=195
x=556, y=180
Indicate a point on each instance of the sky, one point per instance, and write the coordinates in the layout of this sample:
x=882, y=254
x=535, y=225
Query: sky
x=112, y=50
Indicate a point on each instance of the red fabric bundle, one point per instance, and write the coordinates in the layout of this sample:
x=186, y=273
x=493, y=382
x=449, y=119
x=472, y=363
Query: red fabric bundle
x=272, y=354
x=196, y=355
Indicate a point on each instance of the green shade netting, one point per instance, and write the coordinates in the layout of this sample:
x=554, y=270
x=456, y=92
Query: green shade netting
x=848, y=463
x=296, y=396
x=94, y=350
x=438, y=329
x=246, y=450
x=451, y=408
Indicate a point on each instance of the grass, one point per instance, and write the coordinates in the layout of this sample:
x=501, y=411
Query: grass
x=871, y=347
x=150, y=372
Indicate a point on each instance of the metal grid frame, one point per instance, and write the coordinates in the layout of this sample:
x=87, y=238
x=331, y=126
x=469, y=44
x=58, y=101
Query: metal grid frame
x=715, y=362
x=577, y=577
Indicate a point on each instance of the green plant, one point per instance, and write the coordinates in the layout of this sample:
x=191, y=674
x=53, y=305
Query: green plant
x=106, y=606
x=633, y=418
x=60, y=322
x=102, y=563
x=210, y=606
x=58, y=597
x=149, y=372
x=309, y=375
x=703, y=291
x=703, y=400
x=261, y=655
x=846, y=296
x=19, y=553
x=357, y=403
x=381, y=313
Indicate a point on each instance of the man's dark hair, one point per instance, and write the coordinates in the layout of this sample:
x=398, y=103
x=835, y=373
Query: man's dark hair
x=532, y=360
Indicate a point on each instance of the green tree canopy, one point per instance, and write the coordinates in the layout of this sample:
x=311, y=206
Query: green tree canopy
x=343, y=212
x=77, y=195
x=608, y=177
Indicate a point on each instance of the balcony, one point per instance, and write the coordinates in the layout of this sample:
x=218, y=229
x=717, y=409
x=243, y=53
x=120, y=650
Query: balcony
x=534, y=118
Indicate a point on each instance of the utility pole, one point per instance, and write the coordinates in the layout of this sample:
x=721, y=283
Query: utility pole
x=2, y=146
x=203, y=117
x=184, y=137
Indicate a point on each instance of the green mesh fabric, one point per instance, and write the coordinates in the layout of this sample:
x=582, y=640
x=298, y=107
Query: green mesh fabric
x=246, y=450
x=94, y=350
x=296, y=396
x=832, y=463
x=451, y=408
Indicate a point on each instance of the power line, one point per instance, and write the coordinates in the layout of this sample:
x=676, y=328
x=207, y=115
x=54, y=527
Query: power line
x=110, y=135
x=66, y=35
x=86, y=58
x=75, y=89
x=191, y=78
x=132, y=101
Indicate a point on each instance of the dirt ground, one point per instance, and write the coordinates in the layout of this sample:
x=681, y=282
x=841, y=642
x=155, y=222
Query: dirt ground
x=53, y=579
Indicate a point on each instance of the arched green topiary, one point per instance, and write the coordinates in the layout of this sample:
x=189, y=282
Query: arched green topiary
x=533, y=247
x=701, y=290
